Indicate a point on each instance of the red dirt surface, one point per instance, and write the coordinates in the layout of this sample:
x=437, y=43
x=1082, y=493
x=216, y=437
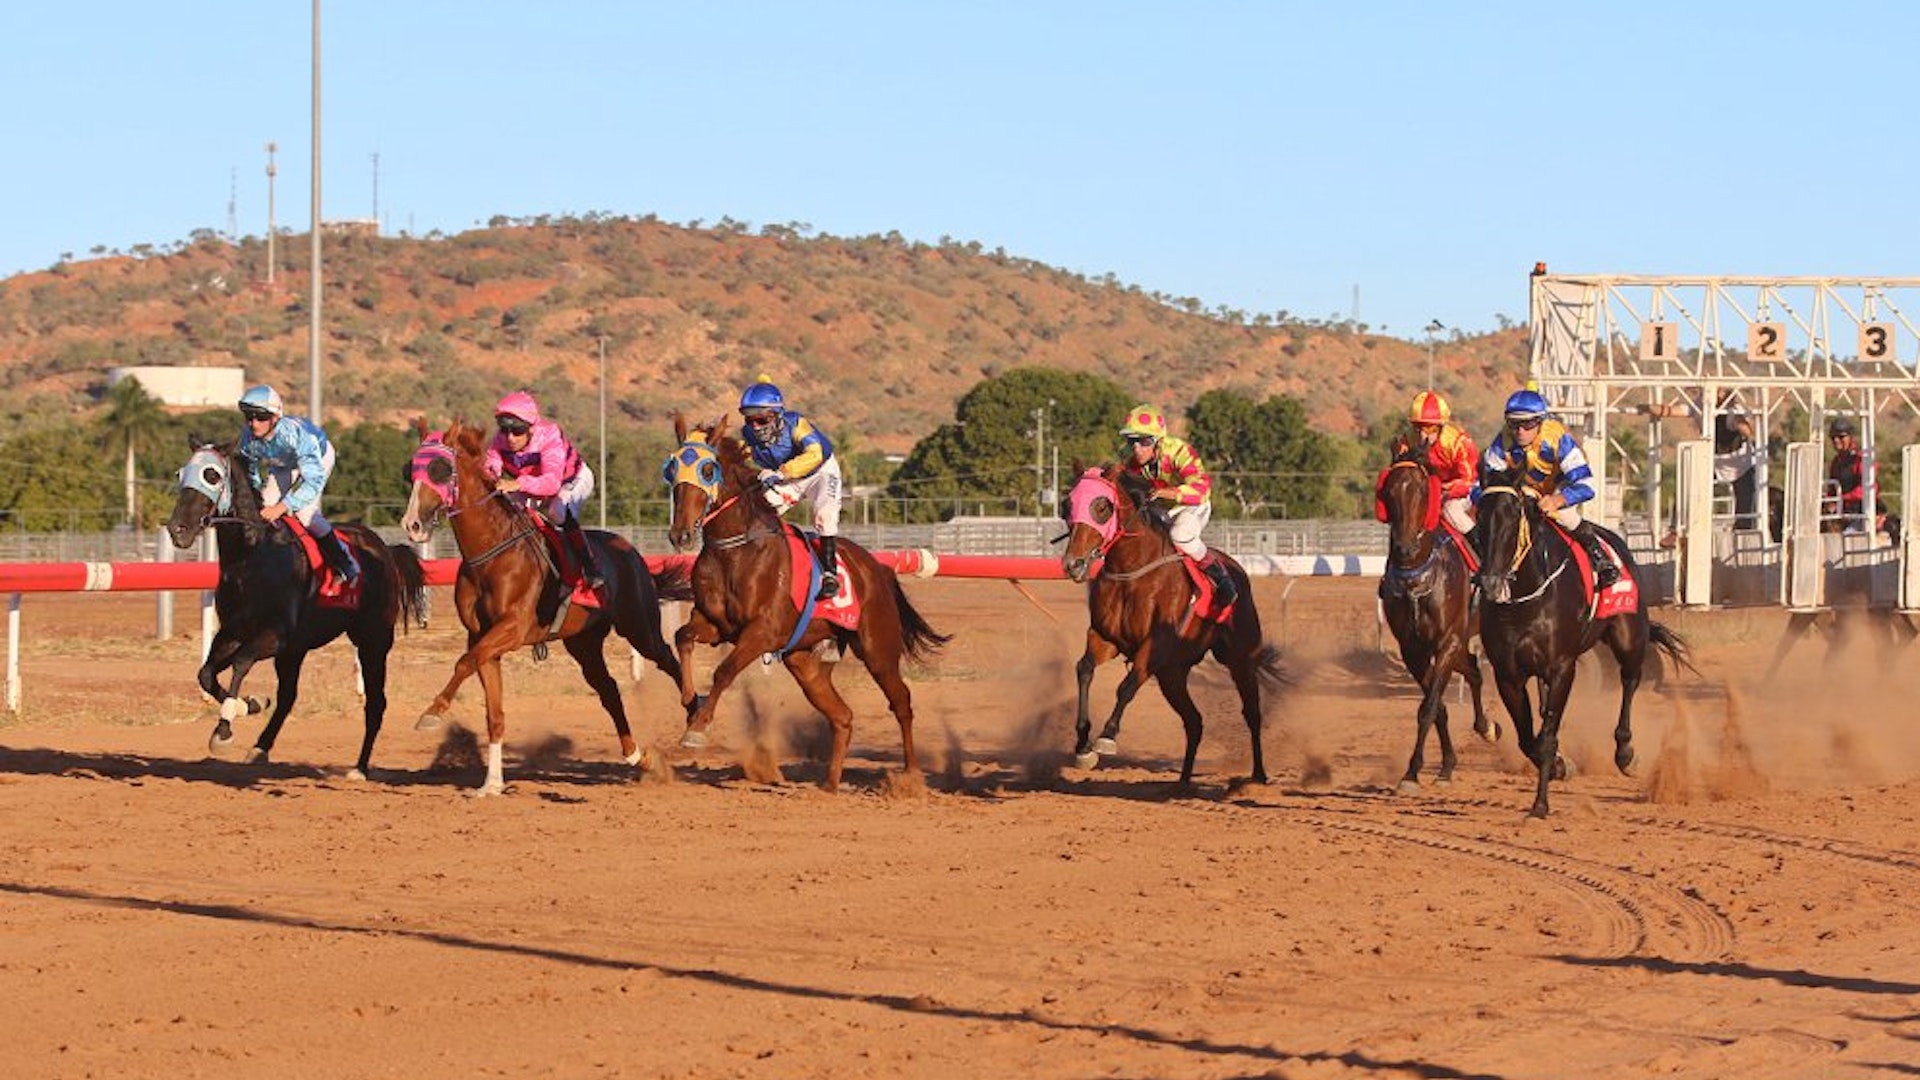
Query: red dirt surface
x=1739, y=909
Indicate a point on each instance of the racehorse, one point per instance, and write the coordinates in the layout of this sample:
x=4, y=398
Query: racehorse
x=1143, y=603
x=748, y=592
x=268, y=604
x=1425, y=593
x=509, y=594
x=1535, y=622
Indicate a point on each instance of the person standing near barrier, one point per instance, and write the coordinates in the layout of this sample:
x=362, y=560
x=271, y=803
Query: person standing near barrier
x=1735, y=453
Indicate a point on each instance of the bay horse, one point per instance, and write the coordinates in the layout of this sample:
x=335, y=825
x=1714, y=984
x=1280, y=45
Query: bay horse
x=510, y=596
x=267, y=603
x=1426, y=596
x=744, y=594
x=1535, y=623
x=1141, y=604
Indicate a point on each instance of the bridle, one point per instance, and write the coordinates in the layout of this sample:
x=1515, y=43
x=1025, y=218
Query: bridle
x=447, y=494
x=697, y=464
x=1111, y=531
x=1522, y=547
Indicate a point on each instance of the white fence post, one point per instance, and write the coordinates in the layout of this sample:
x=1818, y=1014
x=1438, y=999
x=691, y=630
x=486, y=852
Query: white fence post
x=13, y=654
x=1803, y=579
x=1695, y=497
x=209, y=620
x=1909, y=518
x=163, y=604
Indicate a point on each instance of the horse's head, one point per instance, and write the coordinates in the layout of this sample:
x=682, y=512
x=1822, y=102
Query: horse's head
x=1407, y=498
x=1103, y=510
x=433, y=474
x=704, y=475
x=206, y=490
x=1508, y=518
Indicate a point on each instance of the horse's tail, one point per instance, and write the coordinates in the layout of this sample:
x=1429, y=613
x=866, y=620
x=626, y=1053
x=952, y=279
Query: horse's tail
x=1266, y=662
x=412, y=578
x=674, y=580
x=920, y=639
x=1672, y=644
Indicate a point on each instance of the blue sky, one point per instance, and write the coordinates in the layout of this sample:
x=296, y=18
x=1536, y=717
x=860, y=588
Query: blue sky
x=1259, y=156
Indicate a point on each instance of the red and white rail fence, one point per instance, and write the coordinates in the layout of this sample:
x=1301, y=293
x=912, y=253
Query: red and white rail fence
x=17, y=579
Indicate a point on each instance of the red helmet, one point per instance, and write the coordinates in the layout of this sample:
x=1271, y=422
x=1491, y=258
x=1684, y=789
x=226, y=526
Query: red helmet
x=1429, y=408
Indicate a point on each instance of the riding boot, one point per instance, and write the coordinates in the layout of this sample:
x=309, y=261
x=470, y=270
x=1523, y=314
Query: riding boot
x=1224, y=590
x=1605, y=574
x=829, y=568
x=337, y=555
x=582, y=549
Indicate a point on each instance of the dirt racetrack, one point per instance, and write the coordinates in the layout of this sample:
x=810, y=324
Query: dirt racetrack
x=1739, y=909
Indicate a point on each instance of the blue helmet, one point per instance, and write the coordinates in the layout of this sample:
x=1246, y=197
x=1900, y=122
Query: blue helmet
x=1526, y=405
x=263, y=398
x=762, y=395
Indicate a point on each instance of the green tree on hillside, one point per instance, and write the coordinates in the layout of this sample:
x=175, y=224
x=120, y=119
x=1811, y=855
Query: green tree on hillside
x=989, y=449
x=133, y=418
x=1263, y=455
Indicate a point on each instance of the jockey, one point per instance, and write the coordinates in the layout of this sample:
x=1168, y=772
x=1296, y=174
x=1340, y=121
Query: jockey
x=1179, y=478
x=1847, y=473
x=288, y=460
x=1449, y=453
x=532, y=462
x=1554, y=469
x=796, y=462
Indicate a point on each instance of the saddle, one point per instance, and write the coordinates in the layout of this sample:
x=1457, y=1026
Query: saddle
x=564, y=562
x=330, y=589
x=1623, y=597
x=843, y=609
x=1205, y=608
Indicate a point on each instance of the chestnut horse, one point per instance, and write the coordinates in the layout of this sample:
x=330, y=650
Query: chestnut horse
x=267, y=605
x=743, y=594
x=509, y=594
x=1141, y=604
x=1425, y=594
x=1535, y=623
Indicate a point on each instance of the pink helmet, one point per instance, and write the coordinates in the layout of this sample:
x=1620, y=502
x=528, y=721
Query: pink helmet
x=520, y=404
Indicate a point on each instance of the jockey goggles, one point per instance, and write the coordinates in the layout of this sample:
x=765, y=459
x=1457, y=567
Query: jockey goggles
x=252, y=413
x=760, y=419
x=1142, y=440
x=512, y=425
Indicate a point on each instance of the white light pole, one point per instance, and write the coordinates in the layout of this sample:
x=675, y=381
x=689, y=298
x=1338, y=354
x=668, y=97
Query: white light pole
x=600, y=480
x=272, y=171
x=1433, y=328
x=313, y=314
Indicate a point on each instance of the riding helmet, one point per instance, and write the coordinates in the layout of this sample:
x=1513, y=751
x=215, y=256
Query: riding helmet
x=1526, y=405
x=762, y=395
x=519, y=404
x=1429, y=408
x=264, y=398
x=1145, y=420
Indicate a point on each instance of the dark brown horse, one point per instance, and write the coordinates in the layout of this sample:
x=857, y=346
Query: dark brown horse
x=1140, y=603
x=510, y=595
x=1425, y=594
x=267, y=603
x=743, y=594
x=1534, y=623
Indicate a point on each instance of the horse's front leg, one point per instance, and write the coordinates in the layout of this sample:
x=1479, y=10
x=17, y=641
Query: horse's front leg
x=1513, y=694
x=816, y=682
x=1485, y=726
x=1173, y=686
x=1421, y=666
x=286, y=670
x=1556, y=688
x=463, y=669
x=1139, y=670
x=1099, y=651
x=697, y=630
x=747, y=650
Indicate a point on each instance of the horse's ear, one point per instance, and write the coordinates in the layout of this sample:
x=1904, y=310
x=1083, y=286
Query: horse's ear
x=718, y=429
x=680, y=426
x=194, y=441
x=420, y=427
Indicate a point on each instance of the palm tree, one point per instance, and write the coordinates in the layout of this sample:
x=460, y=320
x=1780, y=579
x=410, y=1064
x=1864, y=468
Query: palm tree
x=132, y=416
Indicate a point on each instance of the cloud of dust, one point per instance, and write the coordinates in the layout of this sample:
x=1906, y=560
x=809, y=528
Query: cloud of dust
x=459, y=751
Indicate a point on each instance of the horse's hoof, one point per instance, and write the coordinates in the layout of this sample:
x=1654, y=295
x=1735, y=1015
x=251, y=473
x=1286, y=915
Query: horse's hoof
x=487, y=791
x=256, y=706
x=1087, y=760
x=356, y=775
x=429, y=721
x=641, y=759
x=1626, y=767
x=1443, y=781
x=1489, y=731
x=1407, y=787
x=256, y=756
x=1563, y=769
x=694, y=740
x=1105, y=746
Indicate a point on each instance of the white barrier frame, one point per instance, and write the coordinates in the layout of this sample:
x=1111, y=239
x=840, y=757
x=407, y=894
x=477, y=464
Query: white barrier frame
x=1803, y=578
x=1694, y=584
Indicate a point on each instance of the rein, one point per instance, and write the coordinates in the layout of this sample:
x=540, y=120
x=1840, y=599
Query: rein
x=1525, y=547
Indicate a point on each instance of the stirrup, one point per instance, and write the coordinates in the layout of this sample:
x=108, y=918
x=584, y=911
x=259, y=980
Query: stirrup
x=829, y=585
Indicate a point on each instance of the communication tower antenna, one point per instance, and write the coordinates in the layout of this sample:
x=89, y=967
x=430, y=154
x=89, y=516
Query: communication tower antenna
x=233, y=203
x=272, y=148
x=376, y=192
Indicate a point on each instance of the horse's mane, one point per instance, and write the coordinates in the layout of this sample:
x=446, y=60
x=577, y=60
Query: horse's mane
x=740, y=473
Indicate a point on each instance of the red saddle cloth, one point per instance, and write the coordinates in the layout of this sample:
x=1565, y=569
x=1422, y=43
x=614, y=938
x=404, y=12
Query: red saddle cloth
x=563, y=559
x=1621, y=598
x=1459, y=538
x=1204, y=605
x=843, y=609
x=333, y=591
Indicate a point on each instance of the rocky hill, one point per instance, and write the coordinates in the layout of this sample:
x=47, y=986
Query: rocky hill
x=875, y=334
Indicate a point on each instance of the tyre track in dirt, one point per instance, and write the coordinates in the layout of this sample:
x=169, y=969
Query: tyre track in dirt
x=1639, y=915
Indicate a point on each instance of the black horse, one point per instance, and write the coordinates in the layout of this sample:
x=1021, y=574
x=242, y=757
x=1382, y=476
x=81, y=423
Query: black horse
x=1535, y=623
x=1425, y=595
x=267, y=601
